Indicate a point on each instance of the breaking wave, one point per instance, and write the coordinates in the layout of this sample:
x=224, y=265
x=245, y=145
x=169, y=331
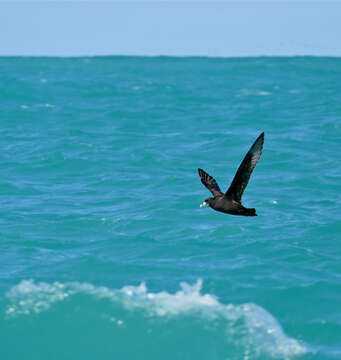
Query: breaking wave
x=246, y=329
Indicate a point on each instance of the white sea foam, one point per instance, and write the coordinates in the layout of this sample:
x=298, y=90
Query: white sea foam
x=260, y=330
x=263, y=93
x=111, y=220
x=248, y=92
x=47, y=105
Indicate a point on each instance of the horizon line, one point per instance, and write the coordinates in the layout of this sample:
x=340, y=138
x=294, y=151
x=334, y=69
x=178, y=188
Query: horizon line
x=171, y=56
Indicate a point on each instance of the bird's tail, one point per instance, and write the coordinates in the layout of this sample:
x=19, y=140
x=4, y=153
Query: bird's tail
x=250, y=212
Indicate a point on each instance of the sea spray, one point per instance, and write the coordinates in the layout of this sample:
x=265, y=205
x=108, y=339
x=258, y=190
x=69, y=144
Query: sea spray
x=247, y=326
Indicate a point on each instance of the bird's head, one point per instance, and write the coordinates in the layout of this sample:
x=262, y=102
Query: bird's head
x=207, y=202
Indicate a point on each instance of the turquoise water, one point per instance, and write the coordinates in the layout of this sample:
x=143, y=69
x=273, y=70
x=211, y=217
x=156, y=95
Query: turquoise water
x=105, y=253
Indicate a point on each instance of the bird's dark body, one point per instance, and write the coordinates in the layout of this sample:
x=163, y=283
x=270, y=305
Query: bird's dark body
x=231, y=201
x=228, y=206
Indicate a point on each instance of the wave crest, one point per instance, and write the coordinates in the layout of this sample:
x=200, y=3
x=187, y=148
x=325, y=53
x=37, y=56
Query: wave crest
x=248, y=325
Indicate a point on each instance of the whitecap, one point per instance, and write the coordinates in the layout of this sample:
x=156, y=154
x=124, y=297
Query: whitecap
x=47, y=105
x=263, y=93
x=111, y=220
x=252, y=326
x=248, y=92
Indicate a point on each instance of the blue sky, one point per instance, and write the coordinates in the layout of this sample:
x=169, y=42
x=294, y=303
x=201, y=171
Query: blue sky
x=215, y=28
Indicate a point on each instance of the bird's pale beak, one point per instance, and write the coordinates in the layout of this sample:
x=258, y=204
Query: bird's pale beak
x=203, y=204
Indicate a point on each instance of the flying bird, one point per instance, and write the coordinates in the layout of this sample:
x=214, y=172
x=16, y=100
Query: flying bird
x=231, y=201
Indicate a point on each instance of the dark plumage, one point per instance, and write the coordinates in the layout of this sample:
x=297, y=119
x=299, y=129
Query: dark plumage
x=231, y=201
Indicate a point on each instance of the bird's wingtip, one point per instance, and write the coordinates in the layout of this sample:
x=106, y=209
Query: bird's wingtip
x=260, y=137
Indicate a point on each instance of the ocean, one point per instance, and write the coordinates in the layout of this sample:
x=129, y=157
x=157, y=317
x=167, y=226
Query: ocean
x=105, y=252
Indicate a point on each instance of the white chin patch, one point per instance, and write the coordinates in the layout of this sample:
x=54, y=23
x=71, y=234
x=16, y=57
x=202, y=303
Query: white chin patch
x=203, y=204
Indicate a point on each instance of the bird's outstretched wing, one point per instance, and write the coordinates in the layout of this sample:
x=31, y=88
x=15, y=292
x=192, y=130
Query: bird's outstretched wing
x=241, y=179
x=209, y=182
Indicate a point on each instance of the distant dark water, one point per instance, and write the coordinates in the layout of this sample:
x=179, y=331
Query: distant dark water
x=104, y=250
